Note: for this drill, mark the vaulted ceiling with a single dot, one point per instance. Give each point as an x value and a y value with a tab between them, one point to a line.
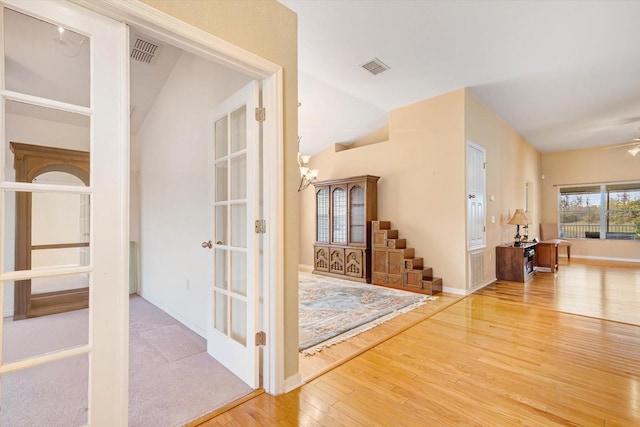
564	74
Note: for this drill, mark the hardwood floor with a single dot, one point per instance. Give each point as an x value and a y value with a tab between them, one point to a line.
560	350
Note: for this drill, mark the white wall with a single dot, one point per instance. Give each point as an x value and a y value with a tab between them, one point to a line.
36	131
174	185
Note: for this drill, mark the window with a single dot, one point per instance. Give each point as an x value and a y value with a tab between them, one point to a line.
607	211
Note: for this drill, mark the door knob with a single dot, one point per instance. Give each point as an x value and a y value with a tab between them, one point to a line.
207	244
472	196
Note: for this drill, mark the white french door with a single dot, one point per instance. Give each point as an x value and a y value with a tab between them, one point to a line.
476	209
232	326
64	86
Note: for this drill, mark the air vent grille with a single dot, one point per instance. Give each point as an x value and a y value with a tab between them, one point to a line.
144	51
375	66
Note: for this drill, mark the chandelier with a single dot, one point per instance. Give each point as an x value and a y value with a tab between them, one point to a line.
307	175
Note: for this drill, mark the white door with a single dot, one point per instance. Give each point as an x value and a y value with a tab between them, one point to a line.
67	85
234	320
476	173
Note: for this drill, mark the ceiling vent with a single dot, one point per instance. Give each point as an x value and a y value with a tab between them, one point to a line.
144	50
375	66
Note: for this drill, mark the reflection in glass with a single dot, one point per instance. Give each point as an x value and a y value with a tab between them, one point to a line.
35	396
57	59
239	321
239	129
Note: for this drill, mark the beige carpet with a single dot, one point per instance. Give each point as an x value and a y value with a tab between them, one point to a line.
172	380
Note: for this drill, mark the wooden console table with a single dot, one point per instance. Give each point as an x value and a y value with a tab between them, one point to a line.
515	263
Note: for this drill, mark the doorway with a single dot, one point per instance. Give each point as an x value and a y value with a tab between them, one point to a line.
272	84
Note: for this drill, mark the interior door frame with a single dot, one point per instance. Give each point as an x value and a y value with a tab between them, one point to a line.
183	35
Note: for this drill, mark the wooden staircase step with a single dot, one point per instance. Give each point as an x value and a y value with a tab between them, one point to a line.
380	225
396	243
380	237
414	278
413	263
432	286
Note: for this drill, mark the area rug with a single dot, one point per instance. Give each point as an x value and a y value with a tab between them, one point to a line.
333	310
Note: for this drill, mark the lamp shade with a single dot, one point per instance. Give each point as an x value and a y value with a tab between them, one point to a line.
519	218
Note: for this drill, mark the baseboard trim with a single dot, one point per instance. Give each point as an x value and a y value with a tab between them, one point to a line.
293	382
186	322
599	258
480	286
305	268
455	291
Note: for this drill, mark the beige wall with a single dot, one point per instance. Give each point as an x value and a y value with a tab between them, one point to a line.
593	165
421	186
422	189
268	29
511	163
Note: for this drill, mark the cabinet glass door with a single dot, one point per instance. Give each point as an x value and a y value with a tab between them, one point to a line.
357	218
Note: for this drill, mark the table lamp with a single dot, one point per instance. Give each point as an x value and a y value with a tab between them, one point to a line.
519	218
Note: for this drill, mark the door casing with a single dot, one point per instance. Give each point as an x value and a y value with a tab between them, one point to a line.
184	36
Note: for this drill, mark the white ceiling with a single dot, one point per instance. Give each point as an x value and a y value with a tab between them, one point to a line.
40	61
564	74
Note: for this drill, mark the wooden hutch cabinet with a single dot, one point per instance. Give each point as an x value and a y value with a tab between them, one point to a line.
344	211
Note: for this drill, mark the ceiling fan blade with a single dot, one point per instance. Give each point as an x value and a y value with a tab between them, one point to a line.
626	144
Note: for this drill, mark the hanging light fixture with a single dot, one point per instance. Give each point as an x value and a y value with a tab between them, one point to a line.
307	175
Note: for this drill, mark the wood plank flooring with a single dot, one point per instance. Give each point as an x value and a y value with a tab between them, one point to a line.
562	349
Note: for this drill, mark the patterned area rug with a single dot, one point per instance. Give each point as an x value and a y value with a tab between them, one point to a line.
333	310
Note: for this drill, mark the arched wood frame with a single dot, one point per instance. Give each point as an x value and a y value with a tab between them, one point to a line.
30	161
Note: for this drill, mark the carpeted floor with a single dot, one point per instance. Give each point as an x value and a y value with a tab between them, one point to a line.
172	379
332	310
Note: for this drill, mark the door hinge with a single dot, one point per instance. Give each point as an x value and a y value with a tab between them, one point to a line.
261	338
261	114
261	226
484	165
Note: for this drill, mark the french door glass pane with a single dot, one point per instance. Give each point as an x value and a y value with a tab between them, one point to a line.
37	336
239	272
221	224
221	138
221	181
53	394
53	233
238	129
221	268
239	225
220	322
56	64
239	177
46	133
239	321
